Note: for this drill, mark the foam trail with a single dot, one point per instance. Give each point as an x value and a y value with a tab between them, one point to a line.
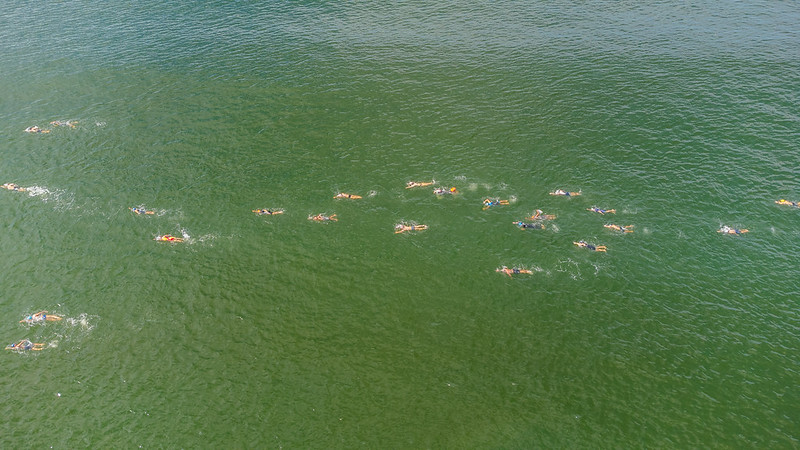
82	322
61	198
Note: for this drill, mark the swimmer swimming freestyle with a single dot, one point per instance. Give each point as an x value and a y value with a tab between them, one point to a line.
413	184
489	202
63	123
14	187
601	211
728	230
268	212
24	345
445	191
539	215
346	195
35	129
403	227
622	228
528	226
323	218
40	317
788	203
140	211
515	270
168	238
565	193
594	248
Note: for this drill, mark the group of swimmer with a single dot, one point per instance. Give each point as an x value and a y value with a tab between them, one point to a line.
55	123
724	229
41	316
535	222
33	319
538	216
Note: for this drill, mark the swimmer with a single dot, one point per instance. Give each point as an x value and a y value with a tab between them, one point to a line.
25	345
443	191
728	230
268	212
14	187
346	195
413	184
35	129
141	210
63	123
515	270
539	215
534	226
623	228
323	218
39	317
168	238
565	193
594	248
489	202
786	202
601	211
402	227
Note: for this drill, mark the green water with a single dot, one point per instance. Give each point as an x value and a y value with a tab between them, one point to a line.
275	331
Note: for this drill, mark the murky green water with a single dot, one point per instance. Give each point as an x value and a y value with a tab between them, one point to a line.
274	331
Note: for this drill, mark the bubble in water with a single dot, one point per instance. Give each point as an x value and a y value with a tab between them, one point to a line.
81	321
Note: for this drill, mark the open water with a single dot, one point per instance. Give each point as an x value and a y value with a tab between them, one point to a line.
278	332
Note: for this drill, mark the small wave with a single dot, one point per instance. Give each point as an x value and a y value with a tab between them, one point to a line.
461	178
569	267
512	199
472	187
372	193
